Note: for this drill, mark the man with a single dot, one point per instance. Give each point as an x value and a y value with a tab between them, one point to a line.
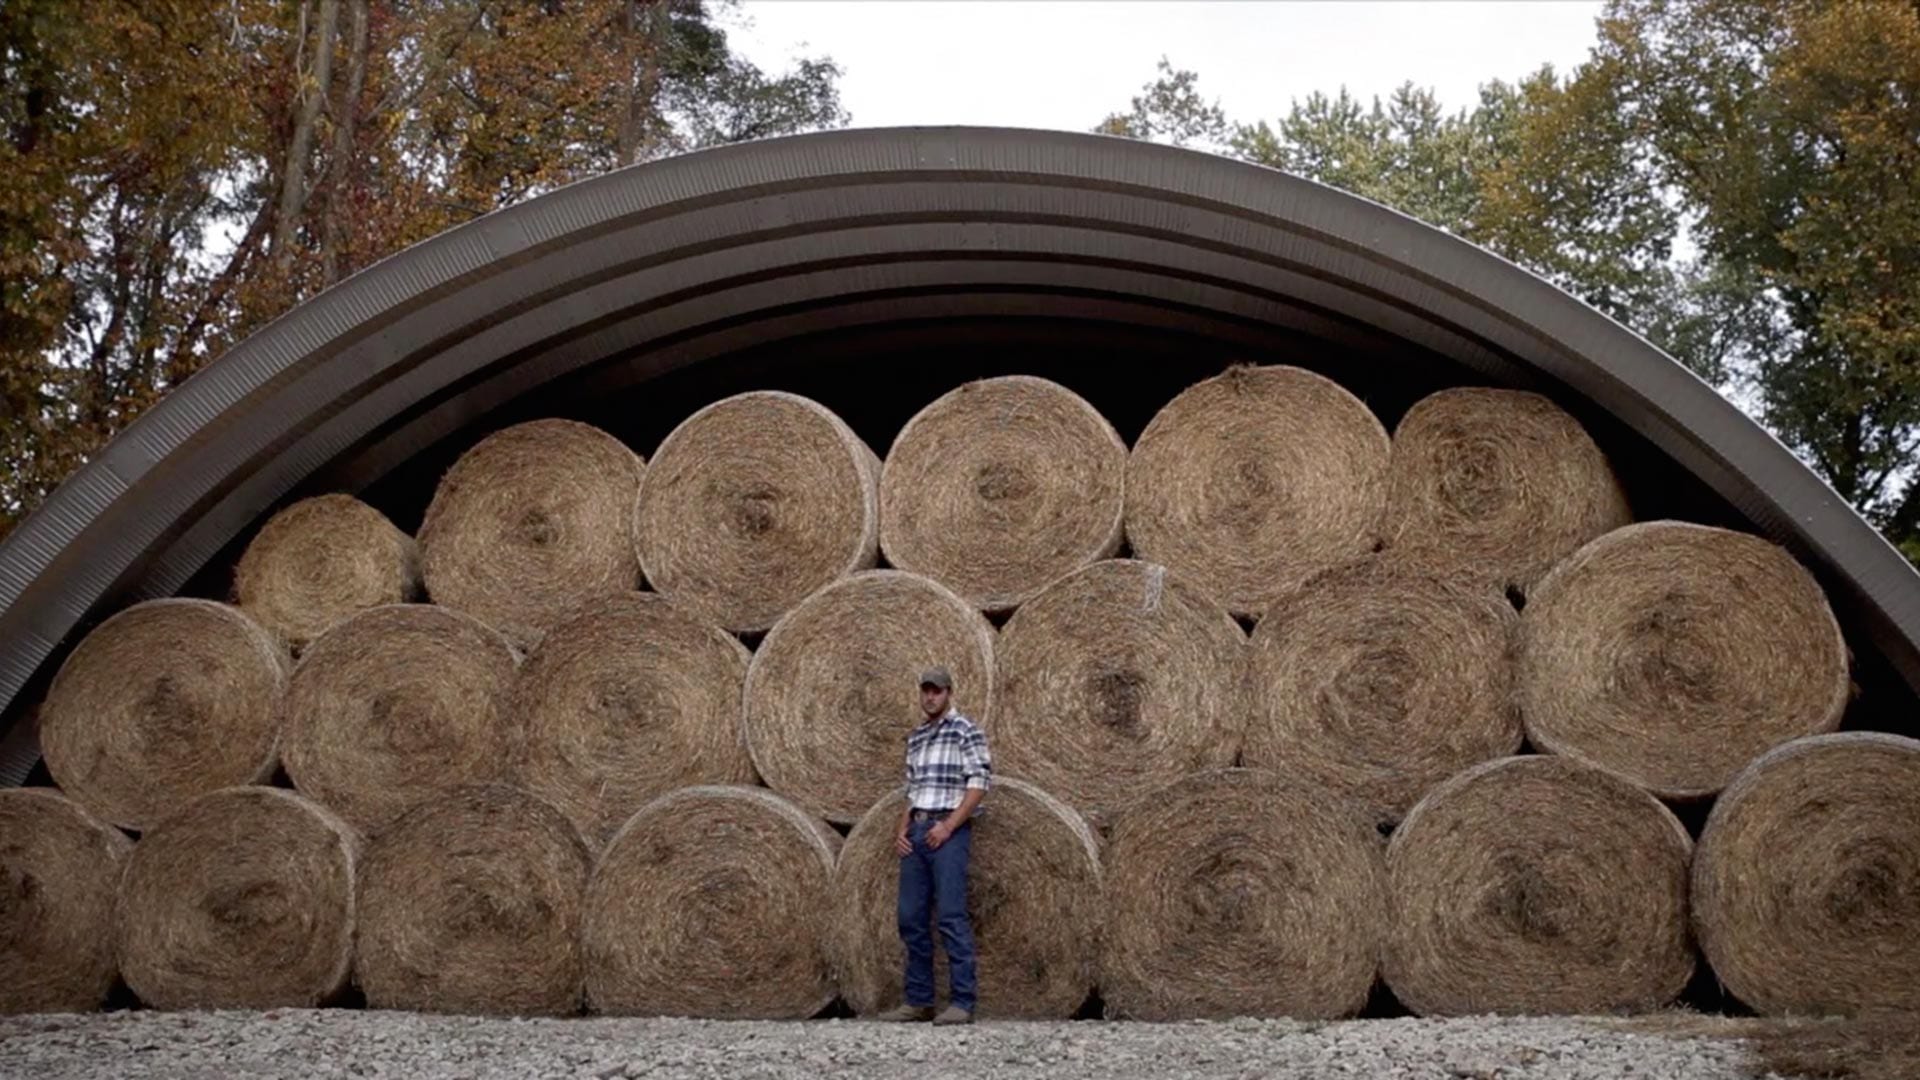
948	773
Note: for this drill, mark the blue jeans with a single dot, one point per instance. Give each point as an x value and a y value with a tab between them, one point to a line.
933	889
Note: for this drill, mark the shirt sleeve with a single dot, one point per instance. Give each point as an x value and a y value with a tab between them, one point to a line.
975	762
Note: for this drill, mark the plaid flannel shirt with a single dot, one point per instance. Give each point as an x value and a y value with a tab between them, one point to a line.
944	759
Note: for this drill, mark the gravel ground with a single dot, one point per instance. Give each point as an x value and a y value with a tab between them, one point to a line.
348	1043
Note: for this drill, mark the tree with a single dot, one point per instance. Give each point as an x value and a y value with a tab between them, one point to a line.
1170	108
174	174
1781	138
1792	130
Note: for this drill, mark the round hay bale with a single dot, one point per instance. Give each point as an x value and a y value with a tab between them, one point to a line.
626	701
712	902
322	560
1673	654
1002	486
1119	677
1380	682
532	521
1499	484
834	689
1241	892
1033	895
471	904
1254	480
753	503
241	900
59	866
396	704
164	702
1538	885
1806	886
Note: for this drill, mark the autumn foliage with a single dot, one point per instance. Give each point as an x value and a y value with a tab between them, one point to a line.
176	173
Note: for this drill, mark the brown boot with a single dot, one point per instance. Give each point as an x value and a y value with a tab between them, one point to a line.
951	1015
906	1014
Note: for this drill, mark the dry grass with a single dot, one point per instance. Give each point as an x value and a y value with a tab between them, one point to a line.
1001	486
1536	885
1254	480
1119	678
320	561
532	521
159	705
1673	654
1806	883
752	504
1496	484
833	691
1872	1046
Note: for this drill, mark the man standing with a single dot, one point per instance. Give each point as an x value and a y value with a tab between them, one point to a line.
948	773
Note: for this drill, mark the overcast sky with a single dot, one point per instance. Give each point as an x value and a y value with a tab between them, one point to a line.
1026	63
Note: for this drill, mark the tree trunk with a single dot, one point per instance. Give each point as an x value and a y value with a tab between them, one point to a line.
341	170
293	177
646	22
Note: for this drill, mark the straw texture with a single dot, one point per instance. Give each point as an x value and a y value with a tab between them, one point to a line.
1379	682
166	701
398	703
627	701
1119	677
1497	484
1033	898
1001	486
471	904
241	900
531	522
1252	481
59	866
714	902
320	561
1241	892
1673	654
834	689
1806	888
753	503
1538	885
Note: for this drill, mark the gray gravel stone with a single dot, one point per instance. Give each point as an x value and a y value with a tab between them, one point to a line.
371	1044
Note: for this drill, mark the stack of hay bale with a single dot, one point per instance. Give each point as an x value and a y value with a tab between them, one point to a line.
569	782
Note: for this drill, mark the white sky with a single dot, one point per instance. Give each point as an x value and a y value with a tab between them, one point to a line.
1027	63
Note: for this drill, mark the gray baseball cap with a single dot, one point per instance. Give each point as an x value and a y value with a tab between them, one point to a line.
937	676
